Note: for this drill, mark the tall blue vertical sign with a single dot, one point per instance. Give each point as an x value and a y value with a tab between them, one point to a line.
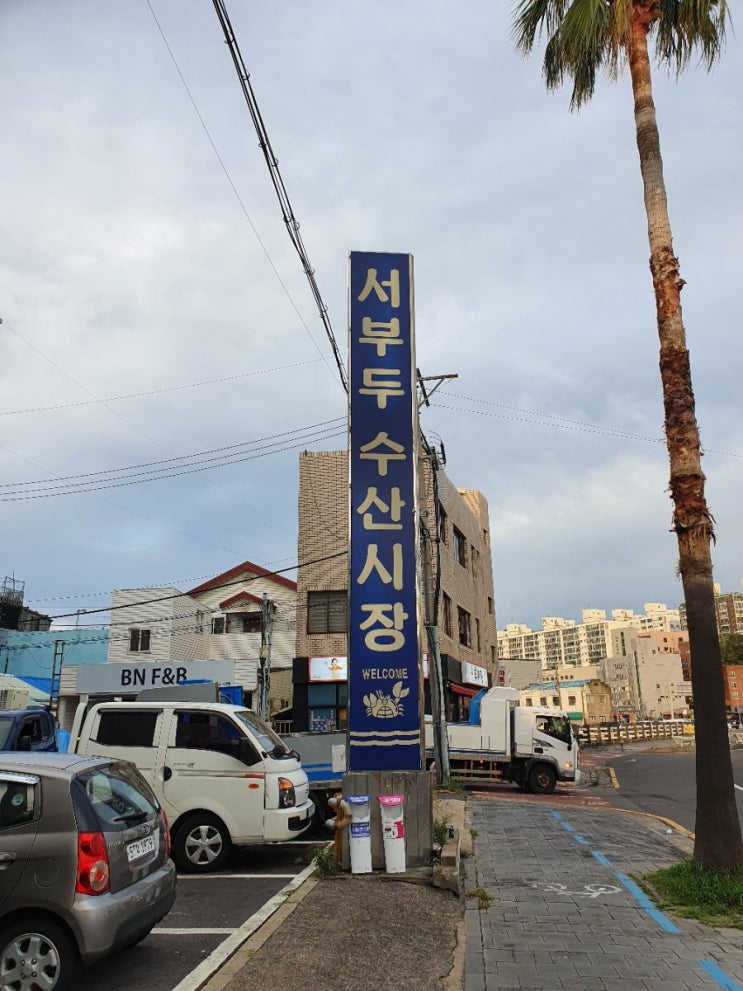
383	673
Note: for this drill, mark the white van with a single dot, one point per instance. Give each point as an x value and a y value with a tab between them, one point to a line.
222	775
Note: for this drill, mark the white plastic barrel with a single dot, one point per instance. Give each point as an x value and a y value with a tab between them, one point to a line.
359	834
393	833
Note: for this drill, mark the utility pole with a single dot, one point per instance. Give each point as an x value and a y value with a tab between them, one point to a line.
264	673
431	585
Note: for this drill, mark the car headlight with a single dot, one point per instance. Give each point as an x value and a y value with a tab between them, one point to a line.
287	795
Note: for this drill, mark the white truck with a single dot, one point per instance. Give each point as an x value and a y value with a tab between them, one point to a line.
222	775
532	746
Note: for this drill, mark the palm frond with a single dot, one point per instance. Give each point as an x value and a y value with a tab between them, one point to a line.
689	27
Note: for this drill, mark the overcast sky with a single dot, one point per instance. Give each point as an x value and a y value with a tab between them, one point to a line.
153	306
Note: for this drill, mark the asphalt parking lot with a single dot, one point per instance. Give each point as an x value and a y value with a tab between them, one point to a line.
212	915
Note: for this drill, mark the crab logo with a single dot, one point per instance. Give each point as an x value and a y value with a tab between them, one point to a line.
383	706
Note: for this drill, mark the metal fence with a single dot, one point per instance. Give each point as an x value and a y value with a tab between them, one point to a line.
605	733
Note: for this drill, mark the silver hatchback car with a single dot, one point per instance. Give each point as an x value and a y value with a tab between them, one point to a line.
84	865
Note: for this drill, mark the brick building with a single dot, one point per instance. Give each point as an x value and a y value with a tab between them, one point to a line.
466	610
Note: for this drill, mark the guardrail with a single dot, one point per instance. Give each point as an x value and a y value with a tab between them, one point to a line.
604	733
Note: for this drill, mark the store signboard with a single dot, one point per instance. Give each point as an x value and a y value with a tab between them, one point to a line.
472	674
328	669
127	679
384	675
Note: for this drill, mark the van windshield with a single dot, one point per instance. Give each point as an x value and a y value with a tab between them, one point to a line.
265	736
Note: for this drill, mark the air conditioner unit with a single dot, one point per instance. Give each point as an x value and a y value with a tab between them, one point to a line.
13	698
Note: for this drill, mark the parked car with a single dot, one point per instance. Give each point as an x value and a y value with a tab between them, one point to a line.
84	865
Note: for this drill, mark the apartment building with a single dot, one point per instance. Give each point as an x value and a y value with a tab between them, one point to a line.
563	642
729	610
458	528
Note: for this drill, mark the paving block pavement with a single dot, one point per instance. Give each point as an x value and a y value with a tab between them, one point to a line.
559	907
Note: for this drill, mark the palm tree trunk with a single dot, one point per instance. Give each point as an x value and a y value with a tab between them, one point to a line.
718	843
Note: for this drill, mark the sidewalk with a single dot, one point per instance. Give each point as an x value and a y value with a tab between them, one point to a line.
557	910
566	913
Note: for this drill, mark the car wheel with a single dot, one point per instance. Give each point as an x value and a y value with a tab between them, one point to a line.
201	844
35	954
542	779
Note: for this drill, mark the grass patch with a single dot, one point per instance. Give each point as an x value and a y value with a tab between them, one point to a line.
455	787
694	892
484	898
440	830
325	862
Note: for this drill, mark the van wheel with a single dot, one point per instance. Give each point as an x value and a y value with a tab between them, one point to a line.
542	779
38	953
201	844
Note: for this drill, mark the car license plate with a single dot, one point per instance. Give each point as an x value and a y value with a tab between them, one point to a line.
140	848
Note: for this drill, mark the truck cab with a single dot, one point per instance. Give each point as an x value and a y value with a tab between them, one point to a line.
27	730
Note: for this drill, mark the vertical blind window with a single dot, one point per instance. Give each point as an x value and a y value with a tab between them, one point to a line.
327	612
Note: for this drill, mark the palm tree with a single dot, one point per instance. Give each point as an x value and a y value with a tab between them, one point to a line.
583	37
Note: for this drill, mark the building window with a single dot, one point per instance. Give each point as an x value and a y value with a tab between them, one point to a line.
447	615
218	624
327	612
460	547
477	634
139	641
464	622
244	622
555	700
490	605
486	538
199	621
543	700
571	700
475	559
443	525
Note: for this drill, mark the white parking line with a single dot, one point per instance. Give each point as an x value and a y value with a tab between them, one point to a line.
227	947
207	877
193	932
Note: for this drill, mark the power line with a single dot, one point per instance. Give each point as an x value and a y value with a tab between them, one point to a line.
167	598
232	185
292	224
159	392
172	468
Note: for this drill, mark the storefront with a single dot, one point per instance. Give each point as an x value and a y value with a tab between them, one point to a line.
320	702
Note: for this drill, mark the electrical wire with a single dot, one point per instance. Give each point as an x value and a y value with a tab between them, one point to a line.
158	392
232	185
167	598
291	222
118	478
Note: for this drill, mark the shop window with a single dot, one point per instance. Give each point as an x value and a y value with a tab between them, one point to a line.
139	641
447	615
464	624
327	612
460	547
